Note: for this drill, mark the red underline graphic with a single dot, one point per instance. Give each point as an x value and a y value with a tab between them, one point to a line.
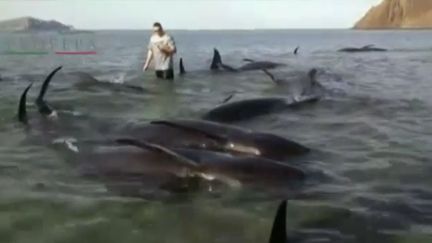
75	52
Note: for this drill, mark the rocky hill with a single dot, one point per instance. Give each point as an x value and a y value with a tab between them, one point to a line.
33	24
392	14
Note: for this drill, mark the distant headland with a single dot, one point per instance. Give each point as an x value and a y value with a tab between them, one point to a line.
398	14
30	24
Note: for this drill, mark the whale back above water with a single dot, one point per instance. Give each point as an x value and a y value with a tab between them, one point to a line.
238	140
217	64
247	170
244	109
367	48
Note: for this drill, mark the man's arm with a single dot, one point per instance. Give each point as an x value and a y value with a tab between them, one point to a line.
148	59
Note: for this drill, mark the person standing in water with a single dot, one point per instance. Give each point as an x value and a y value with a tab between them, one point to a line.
161	50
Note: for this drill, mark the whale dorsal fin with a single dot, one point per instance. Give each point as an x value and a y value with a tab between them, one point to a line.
181	67
278	233
43	107
22	109
296	50
217	138
159	149
228	98
217	60
270	75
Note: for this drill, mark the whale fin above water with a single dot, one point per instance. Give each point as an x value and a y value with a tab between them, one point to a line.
159	149
181	67
228	98
22	110
296	50
278	233
217	62
43	107
272	77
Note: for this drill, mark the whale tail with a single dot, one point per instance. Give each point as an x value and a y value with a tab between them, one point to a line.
181	67
22	109
217	60
43	107
278	233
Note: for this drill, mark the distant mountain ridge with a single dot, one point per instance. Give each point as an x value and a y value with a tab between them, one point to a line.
392	14
33	24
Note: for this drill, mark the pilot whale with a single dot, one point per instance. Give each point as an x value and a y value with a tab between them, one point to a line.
251	171
302	87
237	111
309	92
217	64
156	167
87	81
368	48
200	134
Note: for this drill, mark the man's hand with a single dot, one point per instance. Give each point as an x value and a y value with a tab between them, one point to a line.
147	61
166	49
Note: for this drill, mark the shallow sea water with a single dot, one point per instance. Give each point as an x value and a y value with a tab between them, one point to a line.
368	175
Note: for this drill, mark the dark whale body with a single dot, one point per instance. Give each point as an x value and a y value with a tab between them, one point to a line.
247	170
368	48
199	134
251	108
155	167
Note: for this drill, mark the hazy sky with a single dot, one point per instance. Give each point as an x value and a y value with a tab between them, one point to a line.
192	14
